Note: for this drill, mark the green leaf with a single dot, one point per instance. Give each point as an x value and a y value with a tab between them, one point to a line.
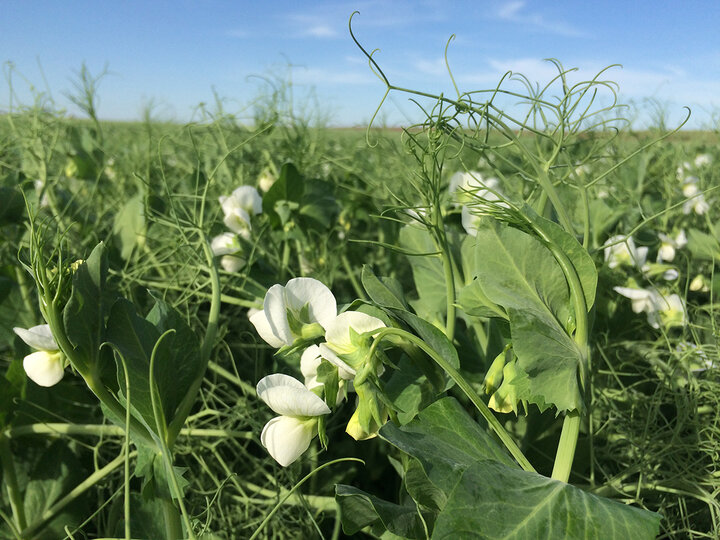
12	205
360	509
519	273
445	440
289	187
12	387
703	245
134	338
152	469
177	357
427	270
319	207
494	501
177	360
129	225
568	244
55	473
384	291
436	340
84	314
478	491
409	389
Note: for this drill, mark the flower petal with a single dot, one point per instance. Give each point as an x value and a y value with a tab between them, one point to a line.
248	198
286	438
469	221
38	337
44	368
287	396
322	305
276	312
309	363
232	264
337	333
225	244
345	372
238	221
263	328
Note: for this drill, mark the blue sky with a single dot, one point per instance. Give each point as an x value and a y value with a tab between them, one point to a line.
173	54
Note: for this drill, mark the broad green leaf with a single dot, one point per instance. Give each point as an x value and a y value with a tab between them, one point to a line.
289	187
177	360
409	390
519	273
445	440
319	206
84	314
384	291
479	491
427	271
12	206
146	518
703	245
12	387
129	226
134	339
55	473
494	501
579	257
360	510
474	302
436	340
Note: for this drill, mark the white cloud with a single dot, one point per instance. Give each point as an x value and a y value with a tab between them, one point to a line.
515	12
320	31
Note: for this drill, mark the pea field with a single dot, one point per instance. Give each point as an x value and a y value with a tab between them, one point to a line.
498	322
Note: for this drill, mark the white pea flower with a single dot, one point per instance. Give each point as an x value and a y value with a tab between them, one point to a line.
689	187
469	186
696	202
265	181
668	310
701	160
227	246
310	361
668	245
345	346
46	367
682	169
642	299
672	310
300	309
699	284
624	252
244	202
469	221
287	436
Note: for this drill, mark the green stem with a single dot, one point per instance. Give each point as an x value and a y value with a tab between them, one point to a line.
465	386
8	467
566	447
171	517
449	291
351	276
100	430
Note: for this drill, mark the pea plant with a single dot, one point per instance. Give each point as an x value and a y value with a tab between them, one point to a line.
266	340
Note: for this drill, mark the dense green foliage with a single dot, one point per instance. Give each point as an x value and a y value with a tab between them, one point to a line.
107	236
